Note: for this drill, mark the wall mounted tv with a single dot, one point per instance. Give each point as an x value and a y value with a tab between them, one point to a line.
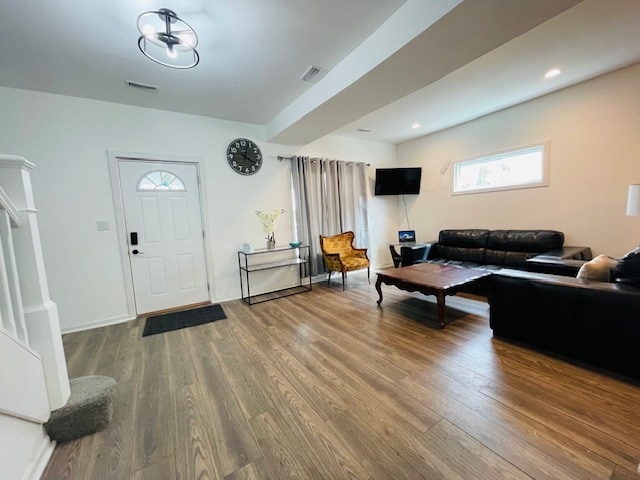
398	181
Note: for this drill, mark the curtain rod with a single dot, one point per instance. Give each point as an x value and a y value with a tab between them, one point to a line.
280	157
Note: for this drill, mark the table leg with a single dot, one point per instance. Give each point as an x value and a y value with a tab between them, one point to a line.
379	289
440	297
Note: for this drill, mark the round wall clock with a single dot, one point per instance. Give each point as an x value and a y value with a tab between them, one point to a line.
244	156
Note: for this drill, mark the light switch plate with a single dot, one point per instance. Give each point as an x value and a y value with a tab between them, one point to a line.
102	225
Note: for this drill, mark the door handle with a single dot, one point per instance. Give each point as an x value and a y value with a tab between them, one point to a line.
135	251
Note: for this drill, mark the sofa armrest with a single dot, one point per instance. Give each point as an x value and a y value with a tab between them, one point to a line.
360	253
561	261
567	267
569	252
562	280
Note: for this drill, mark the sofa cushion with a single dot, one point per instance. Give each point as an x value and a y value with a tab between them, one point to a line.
507	258
467	238
597	269
531	241
461	254
628	268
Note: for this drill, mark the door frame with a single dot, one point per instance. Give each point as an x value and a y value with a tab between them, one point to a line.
118	203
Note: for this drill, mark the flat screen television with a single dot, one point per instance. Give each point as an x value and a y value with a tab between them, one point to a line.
398	181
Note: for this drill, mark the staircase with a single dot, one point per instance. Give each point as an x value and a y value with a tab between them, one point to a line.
33	376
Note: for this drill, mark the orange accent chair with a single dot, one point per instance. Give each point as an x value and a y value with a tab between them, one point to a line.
340	255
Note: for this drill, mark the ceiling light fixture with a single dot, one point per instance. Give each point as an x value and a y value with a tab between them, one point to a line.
415	125
554	72
167	40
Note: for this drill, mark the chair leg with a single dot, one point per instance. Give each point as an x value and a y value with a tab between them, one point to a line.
329	279
368	276
344	274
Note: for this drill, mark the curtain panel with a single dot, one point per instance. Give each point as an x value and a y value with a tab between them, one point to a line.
329	197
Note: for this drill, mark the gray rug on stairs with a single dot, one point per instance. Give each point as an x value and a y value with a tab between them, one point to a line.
88	410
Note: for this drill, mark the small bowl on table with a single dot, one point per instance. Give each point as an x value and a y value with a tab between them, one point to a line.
295	244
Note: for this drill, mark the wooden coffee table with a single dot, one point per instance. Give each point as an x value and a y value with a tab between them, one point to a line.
430	279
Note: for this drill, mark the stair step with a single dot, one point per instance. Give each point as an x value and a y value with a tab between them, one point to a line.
88	410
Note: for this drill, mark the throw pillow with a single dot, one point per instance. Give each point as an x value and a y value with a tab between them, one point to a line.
628	268
597	269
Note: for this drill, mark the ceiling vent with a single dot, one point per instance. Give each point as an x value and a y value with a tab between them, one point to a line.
141	86
313	73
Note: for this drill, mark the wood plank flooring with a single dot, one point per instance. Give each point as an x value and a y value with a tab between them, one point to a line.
327	385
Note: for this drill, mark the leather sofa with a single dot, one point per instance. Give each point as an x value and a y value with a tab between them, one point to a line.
594	322
495	249
532	250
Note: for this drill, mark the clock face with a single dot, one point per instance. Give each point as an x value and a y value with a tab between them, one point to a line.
244	156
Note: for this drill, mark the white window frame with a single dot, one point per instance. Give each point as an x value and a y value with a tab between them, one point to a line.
541	181
176	184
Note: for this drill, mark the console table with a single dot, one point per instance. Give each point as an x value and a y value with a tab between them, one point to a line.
277	258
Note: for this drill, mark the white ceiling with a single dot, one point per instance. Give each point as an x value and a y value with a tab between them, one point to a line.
391	63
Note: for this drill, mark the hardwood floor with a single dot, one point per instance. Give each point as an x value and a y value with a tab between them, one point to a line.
327	385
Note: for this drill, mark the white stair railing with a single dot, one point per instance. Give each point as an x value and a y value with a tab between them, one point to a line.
12	320
27	314
33	373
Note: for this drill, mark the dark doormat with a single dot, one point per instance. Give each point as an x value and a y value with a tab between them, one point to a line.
187	318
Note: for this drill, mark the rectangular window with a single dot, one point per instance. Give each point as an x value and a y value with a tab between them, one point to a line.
524	167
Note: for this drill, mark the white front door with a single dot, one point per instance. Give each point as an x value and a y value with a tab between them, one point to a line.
163	221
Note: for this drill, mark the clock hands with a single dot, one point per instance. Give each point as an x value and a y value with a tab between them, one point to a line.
247	157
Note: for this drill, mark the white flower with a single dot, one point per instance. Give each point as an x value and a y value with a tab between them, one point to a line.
269	220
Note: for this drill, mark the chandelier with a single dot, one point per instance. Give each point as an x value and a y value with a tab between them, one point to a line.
167	40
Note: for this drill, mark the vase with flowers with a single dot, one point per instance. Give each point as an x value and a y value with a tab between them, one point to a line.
269	225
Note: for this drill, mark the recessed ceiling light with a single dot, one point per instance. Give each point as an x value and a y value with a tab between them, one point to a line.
415	125
554	72
364	130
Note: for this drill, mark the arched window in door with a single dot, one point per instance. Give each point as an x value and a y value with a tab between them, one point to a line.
161	180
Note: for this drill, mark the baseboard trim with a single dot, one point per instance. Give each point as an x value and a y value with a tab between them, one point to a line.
42	459
104	322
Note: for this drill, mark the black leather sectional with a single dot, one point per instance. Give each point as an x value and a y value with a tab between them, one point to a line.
536	300
590	321
495	249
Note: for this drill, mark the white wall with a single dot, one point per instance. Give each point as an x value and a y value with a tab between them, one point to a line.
594	129
595	151
68	139
25	448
